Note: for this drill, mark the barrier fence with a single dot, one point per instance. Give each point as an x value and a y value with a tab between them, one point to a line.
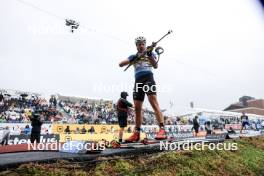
56	132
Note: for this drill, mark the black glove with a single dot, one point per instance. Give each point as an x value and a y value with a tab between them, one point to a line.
149	51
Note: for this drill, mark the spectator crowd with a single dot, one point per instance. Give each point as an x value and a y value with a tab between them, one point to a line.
17	109
20	107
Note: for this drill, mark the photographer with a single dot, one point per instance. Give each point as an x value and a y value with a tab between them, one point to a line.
36	127
196	125
122	113
4	137
208	128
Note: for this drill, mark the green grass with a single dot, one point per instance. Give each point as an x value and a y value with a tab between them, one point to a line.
247	160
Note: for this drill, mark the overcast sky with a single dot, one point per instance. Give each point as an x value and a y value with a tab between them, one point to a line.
214	56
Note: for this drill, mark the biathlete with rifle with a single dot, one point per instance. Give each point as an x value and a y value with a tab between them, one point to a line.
143	61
